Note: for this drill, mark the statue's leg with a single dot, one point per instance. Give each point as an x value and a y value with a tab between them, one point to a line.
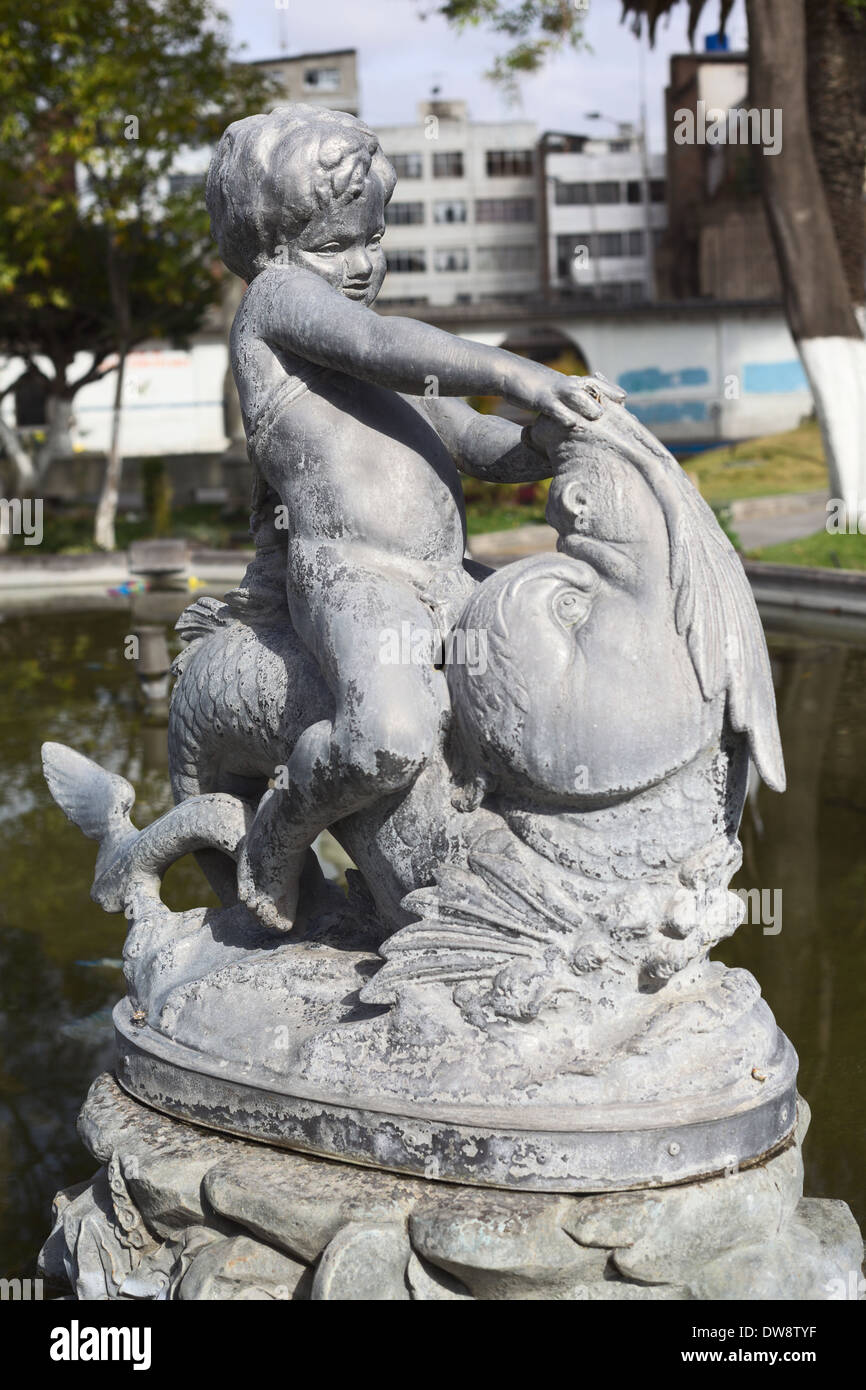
377	644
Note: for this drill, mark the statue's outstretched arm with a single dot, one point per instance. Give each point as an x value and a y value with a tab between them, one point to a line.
297	311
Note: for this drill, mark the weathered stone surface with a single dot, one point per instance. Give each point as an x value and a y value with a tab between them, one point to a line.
163	1163
538	771
300	1205
432	1285
364	1263
276	1225
240	1268
501	1246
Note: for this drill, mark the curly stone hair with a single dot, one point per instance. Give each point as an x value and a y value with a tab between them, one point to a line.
270	174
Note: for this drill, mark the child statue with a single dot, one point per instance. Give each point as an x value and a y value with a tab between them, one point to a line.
353	421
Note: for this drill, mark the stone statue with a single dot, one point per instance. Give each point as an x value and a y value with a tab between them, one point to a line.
538	772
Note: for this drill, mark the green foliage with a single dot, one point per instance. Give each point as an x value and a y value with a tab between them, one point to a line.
97	97
537	29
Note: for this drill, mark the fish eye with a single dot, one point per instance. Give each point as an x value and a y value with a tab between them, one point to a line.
570	607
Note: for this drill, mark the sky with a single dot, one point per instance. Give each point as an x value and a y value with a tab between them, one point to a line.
401	57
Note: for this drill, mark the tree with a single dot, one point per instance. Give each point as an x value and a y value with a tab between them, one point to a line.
98	97
812	190
537	28
813	197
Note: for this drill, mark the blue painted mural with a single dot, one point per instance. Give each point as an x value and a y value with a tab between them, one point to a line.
653	379
765	377
669	412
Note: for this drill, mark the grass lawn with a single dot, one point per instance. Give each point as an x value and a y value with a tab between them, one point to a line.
496	517
845	552
789	462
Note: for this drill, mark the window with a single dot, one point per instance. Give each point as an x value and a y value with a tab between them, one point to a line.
451	258
609	244
182	183
590	246
509	163
406	262
592	193
571	193
322	80
407	300
505	258
449	210
448	165
408	166
634	192
505	210
635	243
404	214
619	146
502	297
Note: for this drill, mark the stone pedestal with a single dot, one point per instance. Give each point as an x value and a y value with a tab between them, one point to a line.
177	1212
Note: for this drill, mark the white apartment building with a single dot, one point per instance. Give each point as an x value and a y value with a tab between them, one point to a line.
601	233
462	226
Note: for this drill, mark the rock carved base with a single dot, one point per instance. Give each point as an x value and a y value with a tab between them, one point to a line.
177	1212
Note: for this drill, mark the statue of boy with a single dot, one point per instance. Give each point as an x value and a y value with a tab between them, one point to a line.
352	420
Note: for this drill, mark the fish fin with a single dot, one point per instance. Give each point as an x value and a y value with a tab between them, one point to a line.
93	799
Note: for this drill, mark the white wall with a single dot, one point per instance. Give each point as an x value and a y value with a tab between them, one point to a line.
726	374
172	401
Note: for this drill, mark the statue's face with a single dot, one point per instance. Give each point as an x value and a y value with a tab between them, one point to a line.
609	700
343	244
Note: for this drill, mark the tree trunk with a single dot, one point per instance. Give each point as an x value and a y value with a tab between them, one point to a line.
106	511
818	302
836	83
58	437
25	476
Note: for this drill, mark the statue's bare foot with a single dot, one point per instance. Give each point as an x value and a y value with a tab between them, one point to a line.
269	870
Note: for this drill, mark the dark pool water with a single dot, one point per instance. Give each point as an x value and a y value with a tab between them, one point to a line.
63	676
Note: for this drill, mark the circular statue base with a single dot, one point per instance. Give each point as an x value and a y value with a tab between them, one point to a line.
178	1212
531	1148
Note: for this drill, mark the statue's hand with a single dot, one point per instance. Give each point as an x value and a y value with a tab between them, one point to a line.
571	397
580	398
